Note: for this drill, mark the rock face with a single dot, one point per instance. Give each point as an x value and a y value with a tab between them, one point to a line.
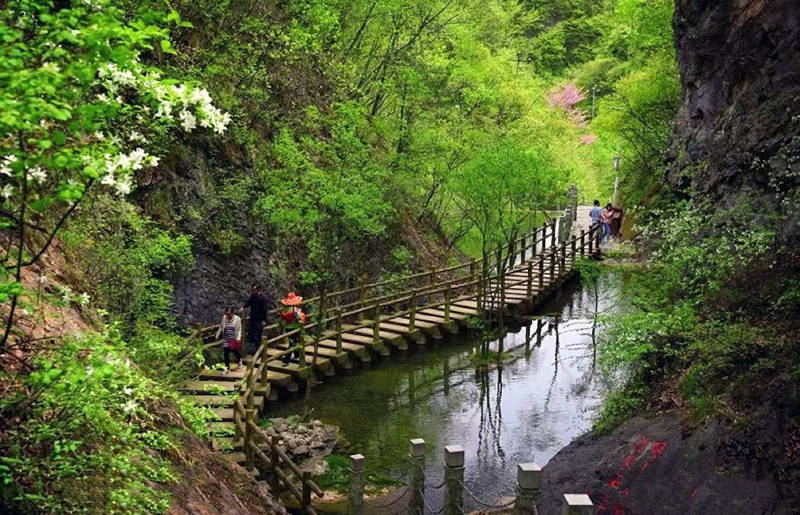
652	465
735	137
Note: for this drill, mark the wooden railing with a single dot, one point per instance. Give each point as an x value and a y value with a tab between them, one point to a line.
367	294
262	448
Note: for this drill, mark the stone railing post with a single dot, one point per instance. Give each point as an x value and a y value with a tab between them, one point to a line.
416	476
577	504
529	488
355	489
453	480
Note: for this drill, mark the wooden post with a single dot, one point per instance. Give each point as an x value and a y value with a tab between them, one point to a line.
591	240
529	487
412	313
416	476
376	324
473	271
573	245
339	331
448	293
535	243
539	325
527	340
583	242
250	416
500	276
432	277
250	381
274	460
577	504
563	257
530	280
553	265
355	490
553	234
305	502
237	416
453	480
541	274
524	249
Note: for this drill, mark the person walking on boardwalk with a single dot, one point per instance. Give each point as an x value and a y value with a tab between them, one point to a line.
605	219
231	331
259	307
293	319
596	213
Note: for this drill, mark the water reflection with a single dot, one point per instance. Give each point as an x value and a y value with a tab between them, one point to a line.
545	395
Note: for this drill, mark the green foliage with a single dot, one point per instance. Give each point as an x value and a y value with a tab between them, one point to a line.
673	332
78	109
128	261
91	441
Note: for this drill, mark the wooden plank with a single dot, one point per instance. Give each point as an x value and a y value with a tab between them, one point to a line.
292	369
391	337
430	328
359	351
322	363
439	314
221	428
225	414
208	387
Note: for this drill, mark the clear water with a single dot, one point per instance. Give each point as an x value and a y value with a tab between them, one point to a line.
524	411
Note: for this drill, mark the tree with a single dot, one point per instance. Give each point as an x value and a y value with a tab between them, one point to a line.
78	109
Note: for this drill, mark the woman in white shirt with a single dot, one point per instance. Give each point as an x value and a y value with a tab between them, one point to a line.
230	329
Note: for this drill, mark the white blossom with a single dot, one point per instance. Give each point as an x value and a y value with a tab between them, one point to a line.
38	175
7	191
130	406
123	186
152	161
188	121
128	390
99	135
83	298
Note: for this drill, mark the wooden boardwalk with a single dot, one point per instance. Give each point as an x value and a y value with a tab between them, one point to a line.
360	324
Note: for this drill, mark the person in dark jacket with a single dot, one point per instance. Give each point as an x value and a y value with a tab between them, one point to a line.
259	306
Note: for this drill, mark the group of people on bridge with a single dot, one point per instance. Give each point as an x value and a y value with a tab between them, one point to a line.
230	328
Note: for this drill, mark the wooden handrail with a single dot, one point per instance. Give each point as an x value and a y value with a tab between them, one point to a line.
533	244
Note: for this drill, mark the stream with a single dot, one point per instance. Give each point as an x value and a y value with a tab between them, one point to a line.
525	411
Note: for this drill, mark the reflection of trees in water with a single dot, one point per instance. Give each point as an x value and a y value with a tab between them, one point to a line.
491	416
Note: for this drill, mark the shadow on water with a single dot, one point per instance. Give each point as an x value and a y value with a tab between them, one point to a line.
540	399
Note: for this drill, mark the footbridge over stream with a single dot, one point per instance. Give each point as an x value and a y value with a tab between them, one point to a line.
360	324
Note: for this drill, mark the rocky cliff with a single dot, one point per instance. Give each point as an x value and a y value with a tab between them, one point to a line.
735	139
